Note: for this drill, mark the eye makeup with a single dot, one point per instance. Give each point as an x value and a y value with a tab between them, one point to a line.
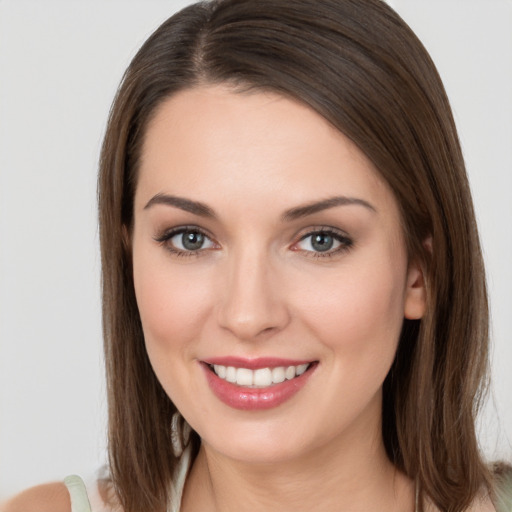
323	242
186	241
315	242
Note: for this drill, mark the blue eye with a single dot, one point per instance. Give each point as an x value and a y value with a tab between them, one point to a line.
185	241
191	241
324	241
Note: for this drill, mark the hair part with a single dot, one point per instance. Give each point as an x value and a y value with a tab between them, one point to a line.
358	65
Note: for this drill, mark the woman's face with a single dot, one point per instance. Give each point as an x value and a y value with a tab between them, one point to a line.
270	272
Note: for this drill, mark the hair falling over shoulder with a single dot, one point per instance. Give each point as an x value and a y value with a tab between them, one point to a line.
357	64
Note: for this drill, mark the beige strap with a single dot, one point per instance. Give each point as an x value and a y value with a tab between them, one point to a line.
78	494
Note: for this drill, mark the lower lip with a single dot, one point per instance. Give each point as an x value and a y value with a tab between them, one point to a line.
255	399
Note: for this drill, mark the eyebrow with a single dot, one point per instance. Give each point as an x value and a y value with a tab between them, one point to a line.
202	210
195	207
318	206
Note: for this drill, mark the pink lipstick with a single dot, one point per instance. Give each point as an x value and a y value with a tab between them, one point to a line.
256	384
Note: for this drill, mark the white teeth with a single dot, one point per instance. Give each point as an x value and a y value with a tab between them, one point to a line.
301	369
244	377
261	378
290	372
220	370
230	374
278	375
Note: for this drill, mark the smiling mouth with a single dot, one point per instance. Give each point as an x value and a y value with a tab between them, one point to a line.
260	378
256	384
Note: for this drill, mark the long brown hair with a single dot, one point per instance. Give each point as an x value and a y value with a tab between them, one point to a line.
360	67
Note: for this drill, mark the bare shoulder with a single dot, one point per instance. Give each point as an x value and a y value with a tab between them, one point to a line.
482	503
53	497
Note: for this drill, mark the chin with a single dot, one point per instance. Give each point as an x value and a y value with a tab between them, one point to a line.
256	445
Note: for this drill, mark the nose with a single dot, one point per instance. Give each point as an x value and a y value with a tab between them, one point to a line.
252	304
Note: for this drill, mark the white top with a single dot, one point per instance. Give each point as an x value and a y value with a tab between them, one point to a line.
86	497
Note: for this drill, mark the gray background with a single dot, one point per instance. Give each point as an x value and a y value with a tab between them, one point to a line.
60	63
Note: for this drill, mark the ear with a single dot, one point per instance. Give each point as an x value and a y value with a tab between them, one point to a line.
415	303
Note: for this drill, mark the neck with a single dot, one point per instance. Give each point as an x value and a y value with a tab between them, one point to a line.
341	476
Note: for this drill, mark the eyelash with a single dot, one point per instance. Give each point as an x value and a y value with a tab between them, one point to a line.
345	243
165	240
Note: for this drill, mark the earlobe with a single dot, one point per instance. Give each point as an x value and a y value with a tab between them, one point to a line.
416	295
415	304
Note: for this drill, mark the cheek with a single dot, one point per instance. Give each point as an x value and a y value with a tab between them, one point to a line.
358	312
171	302
172	306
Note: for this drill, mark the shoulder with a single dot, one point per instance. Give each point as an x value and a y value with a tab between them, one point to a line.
482	503
53	497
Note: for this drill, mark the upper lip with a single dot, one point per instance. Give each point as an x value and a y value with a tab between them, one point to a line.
255	363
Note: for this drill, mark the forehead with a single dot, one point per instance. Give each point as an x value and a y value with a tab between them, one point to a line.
214	143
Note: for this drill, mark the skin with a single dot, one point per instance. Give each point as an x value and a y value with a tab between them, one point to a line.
51	497
258	288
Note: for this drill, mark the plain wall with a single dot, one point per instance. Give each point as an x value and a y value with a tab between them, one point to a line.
60	63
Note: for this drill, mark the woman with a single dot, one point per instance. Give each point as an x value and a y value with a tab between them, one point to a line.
290	260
